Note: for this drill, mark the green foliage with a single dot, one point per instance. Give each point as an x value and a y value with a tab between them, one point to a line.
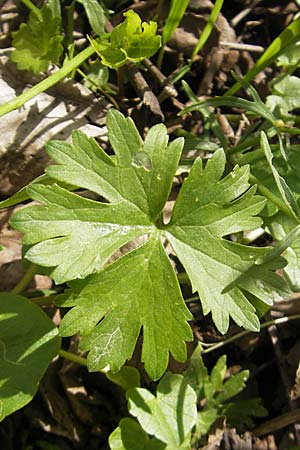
132	40
177	10
281	176
95	14
130	436
140	290
278	47
217	394
38	42
283	98
28	342
171	416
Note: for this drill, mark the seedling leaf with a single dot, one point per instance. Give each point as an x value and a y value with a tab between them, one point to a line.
131	40
130	436
171	414
38	43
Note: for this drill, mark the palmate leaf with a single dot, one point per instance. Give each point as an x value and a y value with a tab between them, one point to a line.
77	236
140	289
38	42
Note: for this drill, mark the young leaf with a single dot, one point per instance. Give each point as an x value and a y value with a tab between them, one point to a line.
170	415
130	436
38	43
28	342
283	96
128	377
131	40
131	293
217	393
285	192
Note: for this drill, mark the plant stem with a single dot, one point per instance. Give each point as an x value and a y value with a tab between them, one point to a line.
77	359
72	357
28	275
244	333
32	8
48	82
270	196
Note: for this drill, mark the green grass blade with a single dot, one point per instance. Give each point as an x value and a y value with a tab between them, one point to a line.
177	10
45	84
208	27
289	35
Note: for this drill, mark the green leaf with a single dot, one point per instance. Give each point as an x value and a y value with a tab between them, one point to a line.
140	290
171	414
285	192
131	40
38	43
206	209
288	37
127	377
131	293
280	226
28	342
95	14
240	413
283	95
233	386
130	436
89	231
216	394
291	56
22	195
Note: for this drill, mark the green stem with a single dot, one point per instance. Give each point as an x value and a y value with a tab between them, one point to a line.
72	357
77	359
48	82
244	333
32	8
20	287
270	196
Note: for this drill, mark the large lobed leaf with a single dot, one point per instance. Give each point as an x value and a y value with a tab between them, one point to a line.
77	236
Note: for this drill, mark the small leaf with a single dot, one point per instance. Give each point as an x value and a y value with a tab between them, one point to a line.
131	40
171	414
28	342
285	192
38	43
127	377
130	436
